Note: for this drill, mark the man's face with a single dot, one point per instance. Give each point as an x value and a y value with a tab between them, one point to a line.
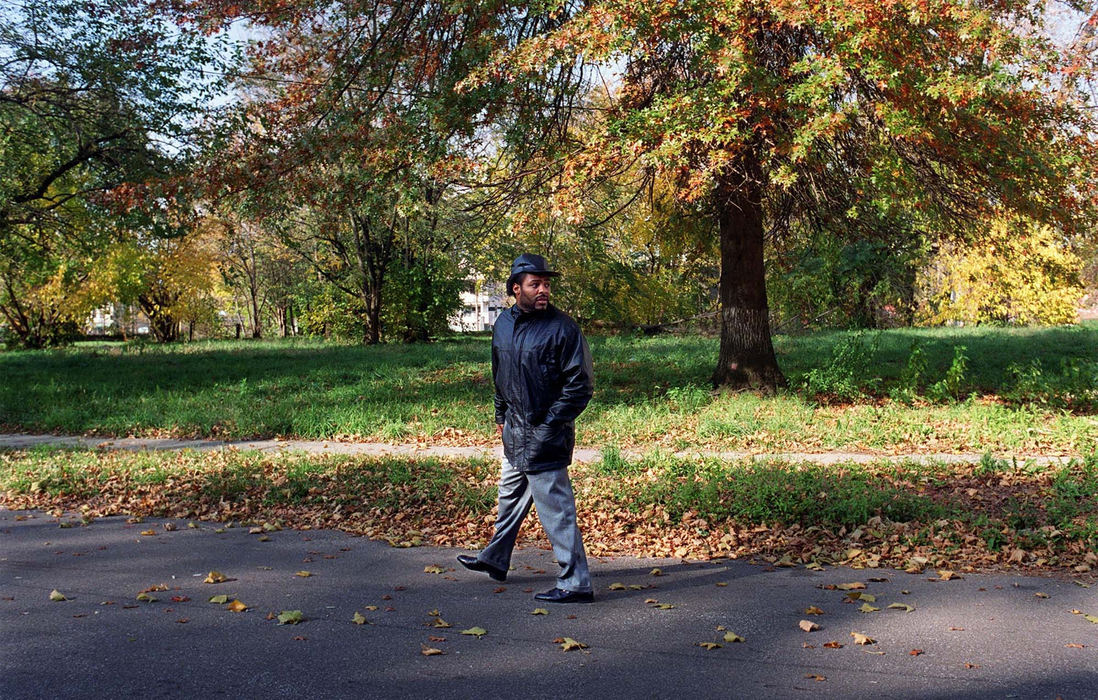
532	294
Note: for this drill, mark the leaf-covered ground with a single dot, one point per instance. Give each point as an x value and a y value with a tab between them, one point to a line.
994	515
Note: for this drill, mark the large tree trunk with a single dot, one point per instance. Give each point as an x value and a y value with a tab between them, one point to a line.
746	359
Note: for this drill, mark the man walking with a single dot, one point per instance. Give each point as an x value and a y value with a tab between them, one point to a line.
541	367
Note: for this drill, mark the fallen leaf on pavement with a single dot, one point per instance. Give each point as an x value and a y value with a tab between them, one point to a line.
434	570
833	645
862	639
215	577
968	665
901	606
1040	595
815	677
655	572
733	638
569	644
1091	618
708	645
303	574
540	611
808	625
915	652
867	608
477	632
56	596
290	617
148	533
947	575
1076	646
358	618
813	610
430	651
855	586
440	623
236	606
219	599
617	586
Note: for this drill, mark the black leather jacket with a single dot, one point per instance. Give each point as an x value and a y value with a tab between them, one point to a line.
541	367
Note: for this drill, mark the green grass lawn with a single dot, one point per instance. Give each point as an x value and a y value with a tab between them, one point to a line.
1011	390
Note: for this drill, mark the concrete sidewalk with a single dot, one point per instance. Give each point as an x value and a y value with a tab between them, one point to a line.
582	455
979	637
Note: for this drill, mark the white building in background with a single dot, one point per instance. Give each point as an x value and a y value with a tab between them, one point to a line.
481	303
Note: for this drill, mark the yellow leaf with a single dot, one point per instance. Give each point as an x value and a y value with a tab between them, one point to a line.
813	610
655	572
901	606
371	608
146	598
709	645
867	608
540	611
215	577
359	618
1041	595
947	575
56	596
808	625
814	566
434	570
236	606
569	644
663	606
721	584
263	538
732	638
219	599
475	632
617	586
303	574
430	651
636	587
855	586
148	533
1091	618
437	622
867	597
862	639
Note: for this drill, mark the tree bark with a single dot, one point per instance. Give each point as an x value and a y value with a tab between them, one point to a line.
746	359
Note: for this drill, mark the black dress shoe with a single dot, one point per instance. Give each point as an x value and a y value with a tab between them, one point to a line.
560	595
474	564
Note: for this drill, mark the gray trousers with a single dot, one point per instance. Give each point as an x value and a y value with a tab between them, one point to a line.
551	491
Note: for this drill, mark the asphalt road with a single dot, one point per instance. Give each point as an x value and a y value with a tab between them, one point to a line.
977	637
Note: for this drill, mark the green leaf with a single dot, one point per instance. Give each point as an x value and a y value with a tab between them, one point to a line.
901	606
56	596
867	608
733	638
540	611
219	599
290	617
475	632
359	618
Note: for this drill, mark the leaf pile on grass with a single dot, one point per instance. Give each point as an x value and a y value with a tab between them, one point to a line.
908	516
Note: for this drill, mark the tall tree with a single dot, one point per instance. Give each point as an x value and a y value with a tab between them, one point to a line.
97	98
770	113
353	123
